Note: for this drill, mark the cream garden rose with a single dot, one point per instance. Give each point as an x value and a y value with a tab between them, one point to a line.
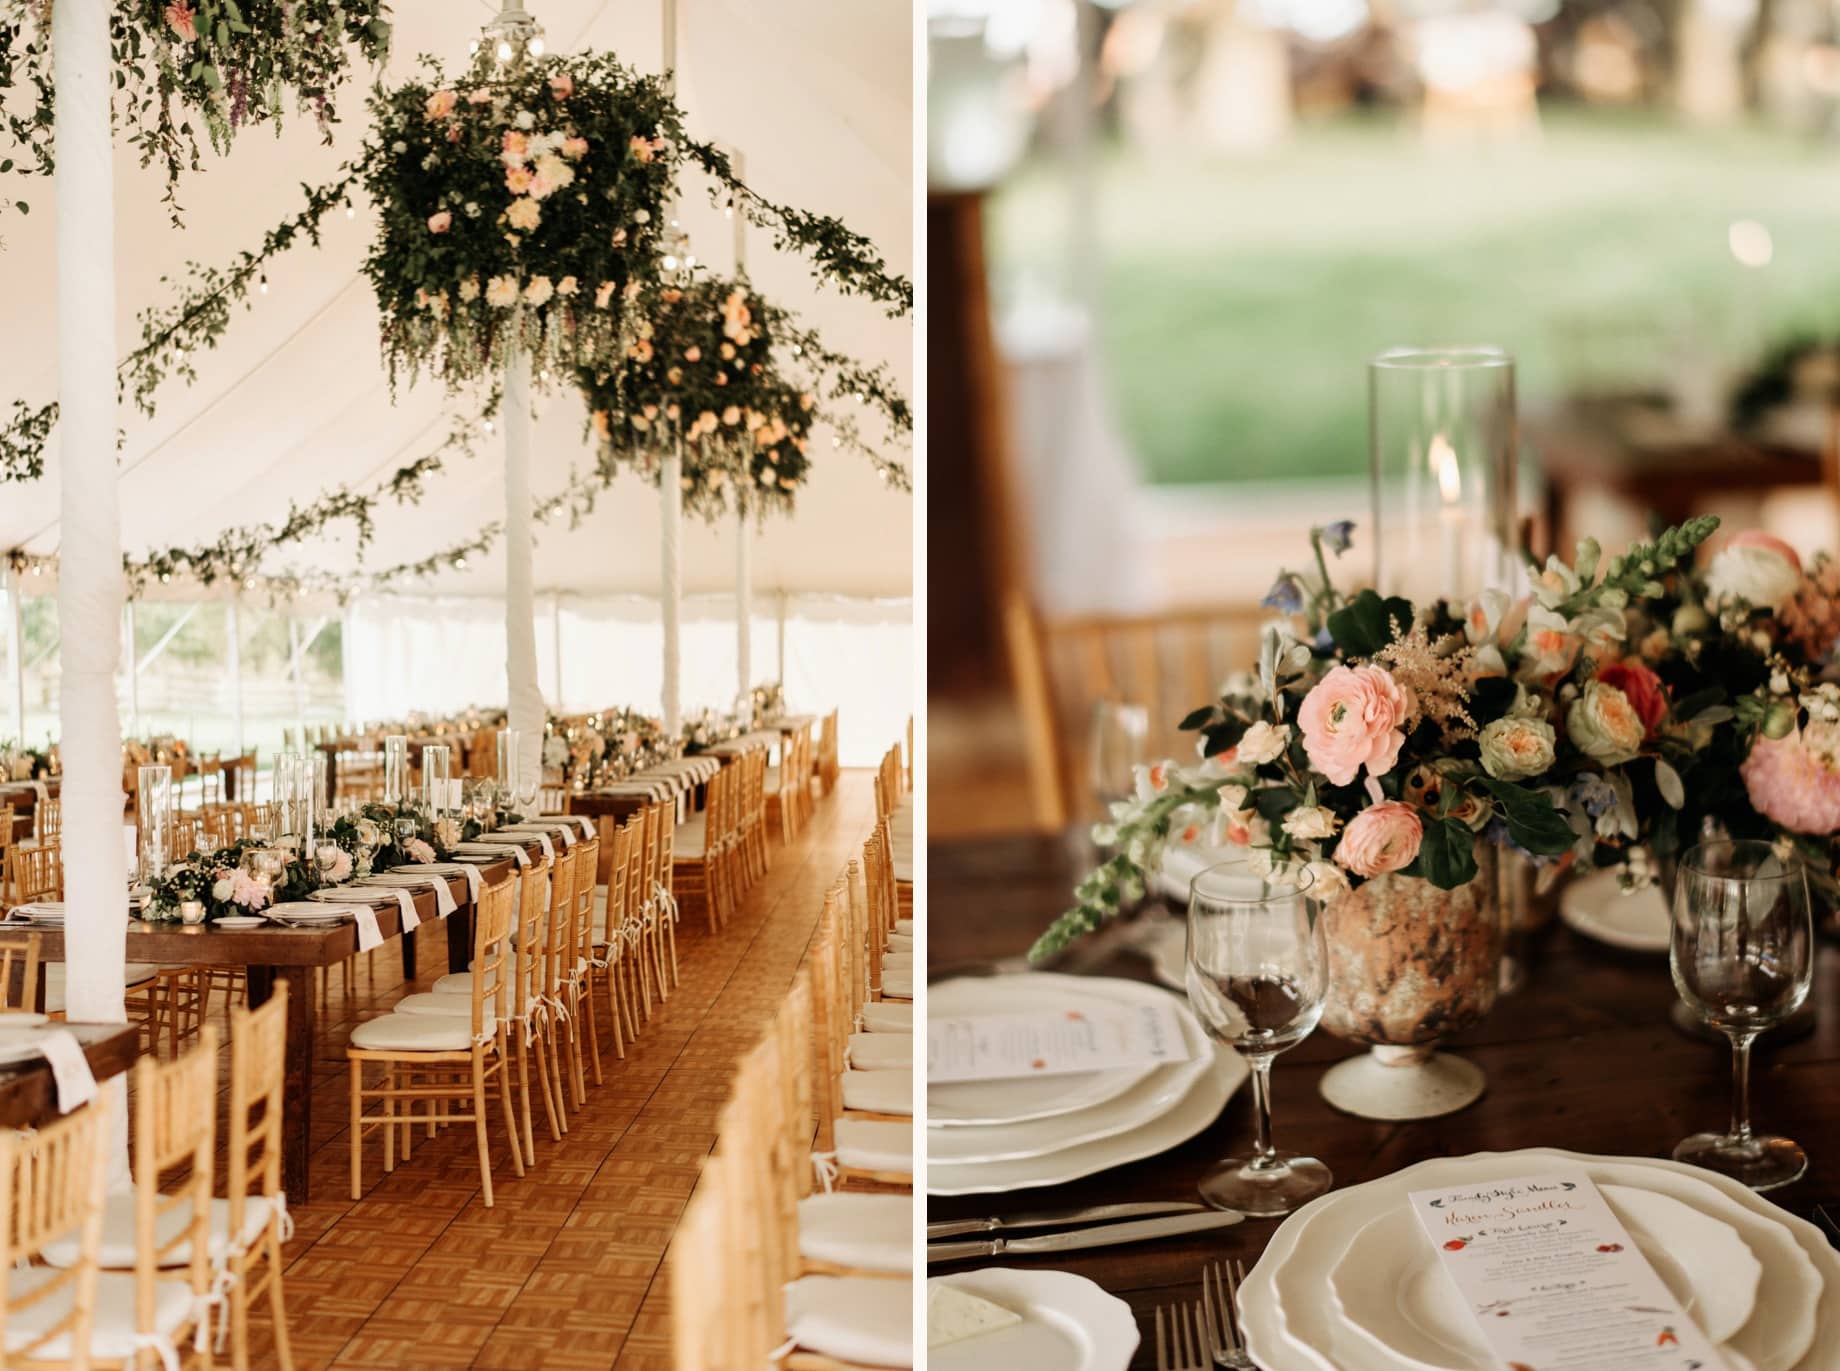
1263	742
1754	567
1516	749
1311	823
1604	725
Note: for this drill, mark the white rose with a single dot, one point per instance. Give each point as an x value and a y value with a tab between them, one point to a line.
222	889
525	120
1311	823
1759	575
1327	880
1263	743
1232	798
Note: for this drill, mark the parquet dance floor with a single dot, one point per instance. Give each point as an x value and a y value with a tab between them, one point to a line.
566	1271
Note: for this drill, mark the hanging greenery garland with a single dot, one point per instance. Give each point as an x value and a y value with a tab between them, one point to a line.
226	65
713	363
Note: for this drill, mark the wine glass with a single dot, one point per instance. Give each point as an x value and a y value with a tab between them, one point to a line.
1742	958
1257	975
1120	744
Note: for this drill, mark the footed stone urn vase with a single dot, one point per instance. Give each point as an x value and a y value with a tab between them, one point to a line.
1410	964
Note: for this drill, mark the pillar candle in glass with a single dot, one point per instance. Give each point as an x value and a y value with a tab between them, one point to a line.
507	763
1441	440
436	765
286	795
308	777
153	816
395	769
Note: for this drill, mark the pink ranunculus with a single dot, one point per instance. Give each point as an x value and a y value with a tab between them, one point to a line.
440	223
1793	781
440	104
1642	688
180	19
1354	717
1381	838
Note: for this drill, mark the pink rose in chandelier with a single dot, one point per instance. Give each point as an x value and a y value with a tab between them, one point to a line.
515	148
1795	780
518	179
1354	717
440	223
574	148
440	104
642	148
562	85
180	19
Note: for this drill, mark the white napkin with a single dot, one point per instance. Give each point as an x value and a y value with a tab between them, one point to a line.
444	902
43	791
539	831
369	935
521	857
76	1083
359	898
473	879
587	824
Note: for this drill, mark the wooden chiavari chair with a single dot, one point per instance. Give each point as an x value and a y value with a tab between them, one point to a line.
145	1313
48	821
19	973
606	961
256	1222
696	866
581	964
52	1182
34	873
663	862
874	1014
754	815
890	982
561	951
210	779
450	1055
530	1009
244	769
865	1118
781	808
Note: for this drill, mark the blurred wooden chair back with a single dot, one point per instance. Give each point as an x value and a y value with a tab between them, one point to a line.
1168	664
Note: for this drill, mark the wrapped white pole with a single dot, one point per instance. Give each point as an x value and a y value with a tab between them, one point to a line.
523	696
129	646
89	510
671	517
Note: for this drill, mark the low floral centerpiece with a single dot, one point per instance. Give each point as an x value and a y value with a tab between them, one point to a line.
220	880
604	747
1391	752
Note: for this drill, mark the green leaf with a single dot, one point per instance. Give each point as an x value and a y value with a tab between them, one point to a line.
1367	623
24	208
1195	718
1667	781
1532	820
1691	706
1447	856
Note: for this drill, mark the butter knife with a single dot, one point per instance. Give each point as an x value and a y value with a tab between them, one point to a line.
1104	1235
1059	1218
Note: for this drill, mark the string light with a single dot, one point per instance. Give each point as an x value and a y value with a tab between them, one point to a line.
263	285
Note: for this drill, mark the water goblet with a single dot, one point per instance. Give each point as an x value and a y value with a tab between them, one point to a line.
1120	744
1742	956
1257	976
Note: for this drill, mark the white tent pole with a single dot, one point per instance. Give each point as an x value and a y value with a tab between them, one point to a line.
233	638
90	582
16	652
671	503
744	598
158	649
134	668
524	697
347	678
300	683
555	642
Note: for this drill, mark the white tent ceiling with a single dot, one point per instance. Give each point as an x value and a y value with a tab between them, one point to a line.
815	94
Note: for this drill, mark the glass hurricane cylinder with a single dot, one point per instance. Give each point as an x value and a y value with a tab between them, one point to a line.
395	769
507	762
1441	444
437	764
287	795
153	819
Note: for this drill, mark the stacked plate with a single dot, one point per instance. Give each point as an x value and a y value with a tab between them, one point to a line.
46	913
1350	1282
1065	1321
1597	906
306	912
990	1136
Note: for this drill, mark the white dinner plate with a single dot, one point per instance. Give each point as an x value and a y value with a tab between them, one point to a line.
1288	1322
1158	1092
344	894
972	1103
1068	1323
306	912
16	1020
1406	1315
1199	1108
20	1047
1596	906
239	921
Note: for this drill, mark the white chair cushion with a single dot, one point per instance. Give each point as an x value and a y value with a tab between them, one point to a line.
900	942
417	1033
898	984
112	1336
904	869
687	843
898	961
866	1232
879	1016
441	1002
859	1319
875	1145
881	1051
118	1245
905	926
879	1092
138	974
455	983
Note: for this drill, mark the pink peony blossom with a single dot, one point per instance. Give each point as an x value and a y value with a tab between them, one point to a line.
418	850
340	870
1794	781
247	891
179	18
440	223
1381	838
1354	716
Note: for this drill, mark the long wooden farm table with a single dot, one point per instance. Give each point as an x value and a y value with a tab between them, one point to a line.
273	954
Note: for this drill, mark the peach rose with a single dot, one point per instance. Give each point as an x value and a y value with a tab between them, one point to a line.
1793	780
1605	725
441	104
1642	688
1381	838
1354	717
440	223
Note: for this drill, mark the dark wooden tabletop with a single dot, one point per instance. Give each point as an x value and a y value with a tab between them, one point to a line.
28	1096
1581	1057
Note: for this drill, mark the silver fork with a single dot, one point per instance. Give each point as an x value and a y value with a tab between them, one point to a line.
1220	1284
1186	1349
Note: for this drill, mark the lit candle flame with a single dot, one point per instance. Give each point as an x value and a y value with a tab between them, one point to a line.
1442	459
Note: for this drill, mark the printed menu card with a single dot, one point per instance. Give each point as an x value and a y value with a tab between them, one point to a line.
1555	1282
1057	1043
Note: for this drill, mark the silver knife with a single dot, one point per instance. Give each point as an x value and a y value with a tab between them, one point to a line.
1104	1235
1059	1218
